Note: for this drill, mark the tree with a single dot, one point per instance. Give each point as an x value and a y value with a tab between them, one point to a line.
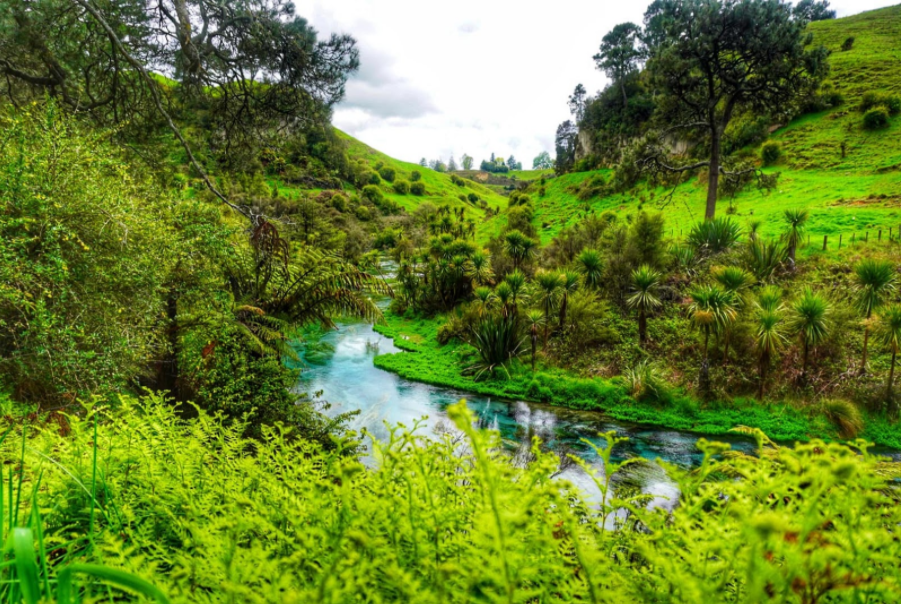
768	335
542	161
889	330
620	54
451	164
565	145
534	321
874	281
736	280
518	247
548	287
810	322
591	265
244	64
712	59
645	281
711	309
424	163
797	222
577	103
511	163
812	10
569	284
466	161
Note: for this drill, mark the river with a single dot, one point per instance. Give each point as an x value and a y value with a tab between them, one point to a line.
342	370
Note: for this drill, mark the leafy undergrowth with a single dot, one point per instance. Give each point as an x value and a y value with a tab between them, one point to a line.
208	516
439	365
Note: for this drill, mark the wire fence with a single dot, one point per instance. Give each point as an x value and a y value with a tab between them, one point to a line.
863	236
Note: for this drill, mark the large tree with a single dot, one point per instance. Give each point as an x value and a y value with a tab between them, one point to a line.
712	59
577	102
542	161
244	70
620	54
565	144
466	161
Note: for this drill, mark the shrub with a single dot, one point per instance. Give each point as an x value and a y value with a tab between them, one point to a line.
401	186
417	188
363	213
457	180
770	153
848	44
415	176
871	100
339	202
387	174
845	415
472	197
373	194
714	236
876	118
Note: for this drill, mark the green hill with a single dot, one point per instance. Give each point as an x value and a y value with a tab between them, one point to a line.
846	195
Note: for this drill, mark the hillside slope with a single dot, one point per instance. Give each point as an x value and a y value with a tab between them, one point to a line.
846	195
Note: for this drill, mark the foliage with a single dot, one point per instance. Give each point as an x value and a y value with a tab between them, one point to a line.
770	153
387	174
876	118
507	532
714	236
845	415
417	188
498	341
401	186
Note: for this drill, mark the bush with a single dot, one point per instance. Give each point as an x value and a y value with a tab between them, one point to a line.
457	180
848	44
339	202
373	194
846	417
714	236
417	188
401	187
871	100
387	174
415	176
876	118
363	213
472	197
770	153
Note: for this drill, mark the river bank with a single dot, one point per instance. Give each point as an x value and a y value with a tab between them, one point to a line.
439	365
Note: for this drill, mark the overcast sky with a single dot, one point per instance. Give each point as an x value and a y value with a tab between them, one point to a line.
473	76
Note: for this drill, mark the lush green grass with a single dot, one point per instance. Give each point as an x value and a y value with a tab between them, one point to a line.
845	196
427	361
439	188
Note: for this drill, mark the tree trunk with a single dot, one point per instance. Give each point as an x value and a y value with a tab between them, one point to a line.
713	179
763	365
642	327
563	312
726	348
622	87
891	378
866	339
169	371
804	363
534	347
704	379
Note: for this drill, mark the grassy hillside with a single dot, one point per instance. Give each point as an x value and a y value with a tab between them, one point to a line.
859	192
440	189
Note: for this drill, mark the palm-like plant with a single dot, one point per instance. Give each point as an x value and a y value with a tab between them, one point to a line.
769	336
645	281
797	223
685	258
714	236
517	283
485	300
762	258
591	265
479	269
810	322
738	281
534	322
874	280
569	283
548	293
711	309
505	299
519	247
889	330
498	341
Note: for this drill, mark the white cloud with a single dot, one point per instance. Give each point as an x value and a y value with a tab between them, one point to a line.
472	76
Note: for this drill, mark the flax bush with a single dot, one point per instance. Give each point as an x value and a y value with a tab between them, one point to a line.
208	516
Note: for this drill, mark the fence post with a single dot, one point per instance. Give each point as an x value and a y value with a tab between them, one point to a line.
839	241
825	240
